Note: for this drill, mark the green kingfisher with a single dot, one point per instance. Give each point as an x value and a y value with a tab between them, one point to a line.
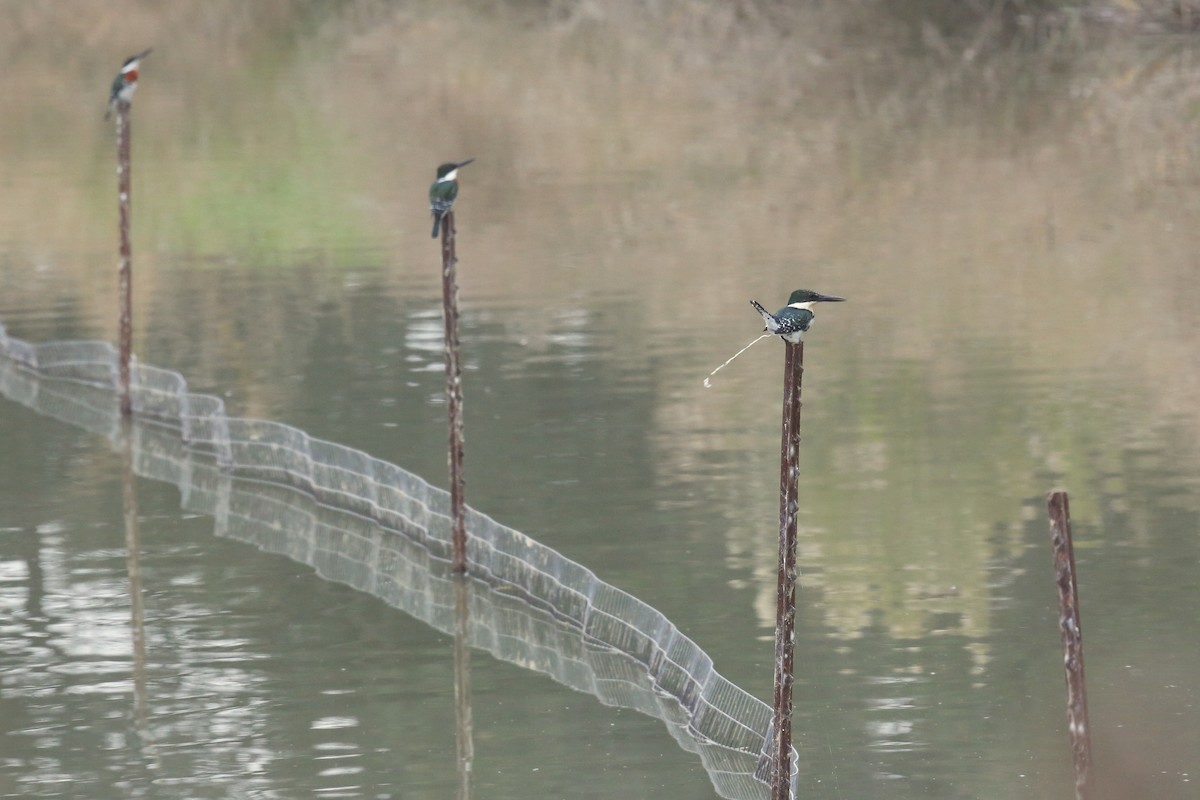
443	191
794	319
126	81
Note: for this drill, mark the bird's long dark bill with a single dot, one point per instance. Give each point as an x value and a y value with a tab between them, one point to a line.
143	54
463	163
829	298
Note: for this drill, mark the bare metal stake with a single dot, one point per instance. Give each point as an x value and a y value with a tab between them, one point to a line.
458	538
785	610
125	266
1072	641
123	87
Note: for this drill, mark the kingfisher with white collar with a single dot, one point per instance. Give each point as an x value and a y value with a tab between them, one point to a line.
443	191
793	320
788	323
125	84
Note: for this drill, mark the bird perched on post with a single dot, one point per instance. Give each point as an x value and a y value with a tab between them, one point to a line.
125	83
443	191
794	319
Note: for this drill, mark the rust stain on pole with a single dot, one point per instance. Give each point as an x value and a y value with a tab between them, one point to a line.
125	265
785	611
454	396
1072	640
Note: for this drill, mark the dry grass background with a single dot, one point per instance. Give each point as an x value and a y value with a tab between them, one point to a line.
942	156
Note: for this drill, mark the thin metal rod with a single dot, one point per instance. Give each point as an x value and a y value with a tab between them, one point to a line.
458	558
1071	630
785	612
125	266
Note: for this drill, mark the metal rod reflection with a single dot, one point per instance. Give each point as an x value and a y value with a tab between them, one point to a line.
462	687
133	567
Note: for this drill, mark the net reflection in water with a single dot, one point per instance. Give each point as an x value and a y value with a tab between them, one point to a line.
385	531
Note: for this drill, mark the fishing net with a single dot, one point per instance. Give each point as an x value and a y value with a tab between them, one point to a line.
385	531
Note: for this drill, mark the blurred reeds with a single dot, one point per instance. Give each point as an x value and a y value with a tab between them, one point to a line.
934	154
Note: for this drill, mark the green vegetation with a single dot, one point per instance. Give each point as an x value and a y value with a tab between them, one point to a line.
283	197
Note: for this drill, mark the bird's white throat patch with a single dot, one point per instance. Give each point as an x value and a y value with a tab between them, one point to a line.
449	176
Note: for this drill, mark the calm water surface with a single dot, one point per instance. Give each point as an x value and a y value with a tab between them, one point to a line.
1018	246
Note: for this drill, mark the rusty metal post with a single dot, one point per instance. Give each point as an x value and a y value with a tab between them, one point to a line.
454	397
125	264
785	612
1072	641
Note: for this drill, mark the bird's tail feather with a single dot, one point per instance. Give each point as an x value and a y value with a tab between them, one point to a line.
768	318
437	223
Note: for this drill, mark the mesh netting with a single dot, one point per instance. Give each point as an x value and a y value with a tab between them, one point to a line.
385	531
